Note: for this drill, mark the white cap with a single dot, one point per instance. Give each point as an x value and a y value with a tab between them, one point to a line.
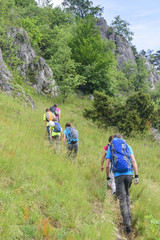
51	124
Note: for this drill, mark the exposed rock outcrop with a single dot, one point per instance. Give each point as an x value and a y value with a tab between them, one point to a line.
6	82
5	76
33	69
124	50
154	77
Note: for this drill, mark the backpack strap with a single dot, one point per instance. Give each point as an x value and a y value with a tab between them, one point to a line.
114	157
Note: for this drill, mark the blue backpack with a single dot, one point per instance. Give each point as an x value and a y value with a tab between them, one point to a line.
121	160
57	127
72	135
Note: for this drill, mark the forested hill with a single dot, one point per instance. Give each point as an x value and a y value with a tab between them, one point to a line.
45	47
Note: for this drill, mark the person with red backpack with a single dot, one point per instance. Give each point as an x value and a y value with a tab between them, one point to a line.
113	187
71	136
123	164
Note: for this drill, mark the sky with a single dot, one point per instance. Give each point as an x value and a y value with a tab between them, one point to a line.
142	15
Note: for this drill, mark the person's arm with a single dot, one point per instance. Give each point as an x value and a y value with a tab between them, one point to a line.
102	159
134	164
107	167
59	113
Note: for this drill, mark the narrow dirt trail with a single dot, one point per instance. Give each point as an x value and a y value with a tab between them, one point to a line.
121	234
98	208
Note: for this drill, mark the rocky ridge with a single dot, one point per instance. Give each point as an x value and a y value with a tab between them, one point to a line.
33	69
124	51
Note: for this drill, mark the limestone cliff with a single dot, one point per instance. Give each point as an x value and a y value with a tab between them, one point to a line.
124	51
33	69
7	85
5	76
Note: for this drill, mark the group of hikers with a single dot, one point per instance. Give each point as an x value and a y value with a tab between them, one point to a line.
120	161
54	130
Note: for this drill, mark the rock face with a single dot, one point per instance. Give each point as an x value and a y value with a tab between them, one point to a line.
5	85
5	76
124	50
154	77
33	69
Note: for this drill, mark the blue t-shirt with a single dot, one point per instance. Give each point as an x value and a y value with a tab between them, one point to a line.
66	132
116	174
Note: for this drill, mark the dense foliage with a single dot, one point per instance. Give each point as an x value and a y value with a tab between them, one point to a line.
153	57
122	28
133	77
82	8
70	42
129	117
94	55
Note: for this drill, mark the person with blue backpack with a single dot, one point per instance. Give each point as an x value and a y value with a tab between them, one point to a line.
55	133
123	164
71	136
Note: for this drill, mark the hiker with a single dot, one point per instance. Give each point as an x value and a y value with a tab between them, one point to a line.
123	164
55	134
71	136
113	186
56	111
48	116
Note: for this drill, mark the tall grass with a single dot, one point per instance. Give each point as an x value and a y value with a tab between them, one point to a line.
44	195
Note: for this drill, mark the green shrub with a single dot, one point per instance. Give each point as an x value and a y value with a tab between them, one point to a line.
131	116
101	110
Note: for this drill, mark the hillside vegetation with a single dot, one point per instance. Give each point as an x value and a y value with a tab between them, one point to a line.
47	196
44	195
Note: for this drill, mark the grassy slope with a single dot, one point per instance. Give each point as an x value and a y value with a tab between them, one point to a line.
46	196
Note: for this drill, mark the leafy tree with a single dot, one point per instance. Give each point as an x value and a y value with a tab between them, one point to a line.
25	3
33	30
141	79
63	66
135	77
149	55
45	3
134	49
95	56
156	60
121	27
82	8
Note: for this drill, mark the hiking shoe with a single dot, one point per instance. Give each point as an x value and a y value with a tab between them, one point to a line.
128	229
